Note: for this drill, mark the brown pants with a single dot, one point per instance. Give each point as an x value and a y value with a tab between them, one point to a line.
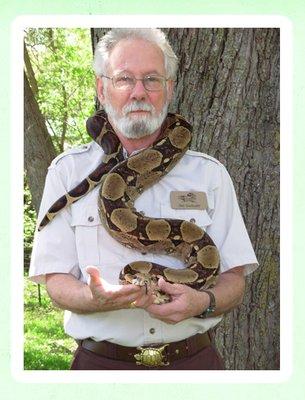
206	359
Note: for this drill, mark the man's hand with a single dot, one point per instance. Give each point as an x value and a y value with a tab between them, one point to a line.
114	297
186	302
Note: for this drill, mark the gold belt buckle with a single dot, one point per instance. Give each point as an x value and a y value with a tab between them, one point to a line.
151	356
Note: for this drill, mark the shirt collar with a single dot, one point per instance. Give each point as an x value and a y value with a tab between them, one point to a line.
126	155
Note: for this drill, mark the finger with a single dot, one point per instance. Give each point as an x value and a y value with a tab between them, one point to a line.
162	310
109	291
121	294
95	278
145	292
144	301
129	299
169	288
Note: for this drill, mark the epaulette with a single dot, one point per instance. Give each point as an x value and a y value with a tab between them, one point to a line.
74	150
203	155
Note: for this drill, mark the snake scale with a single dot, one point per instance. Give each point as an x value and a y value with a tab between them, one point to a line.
121	182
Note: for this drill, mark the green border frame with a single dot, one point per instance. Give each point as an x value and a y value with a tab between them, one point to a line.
293	387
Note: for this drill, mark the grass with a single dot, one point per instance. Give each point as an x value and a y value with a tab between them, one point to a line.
46	345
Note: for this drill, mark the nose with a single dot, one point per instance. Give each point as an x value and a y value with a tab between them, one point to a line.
139	92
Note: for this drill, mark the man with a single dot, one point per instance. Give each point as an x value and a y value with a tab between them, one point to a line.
80	262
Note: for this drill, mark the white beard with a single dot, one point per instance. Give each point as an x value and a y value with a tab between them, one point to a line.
136	127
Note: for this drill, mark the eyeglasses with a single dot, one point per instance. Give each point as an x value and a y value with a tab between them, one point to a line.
126	81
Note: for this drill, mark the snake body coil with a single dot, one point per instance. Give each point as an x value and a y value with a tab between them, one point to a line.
122	181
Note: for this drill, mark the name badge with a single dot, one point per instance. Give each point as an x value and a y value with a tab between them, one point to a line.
188	200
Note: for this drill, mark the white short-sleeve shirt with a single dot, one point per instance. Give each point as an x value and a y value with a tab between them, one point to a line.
75	239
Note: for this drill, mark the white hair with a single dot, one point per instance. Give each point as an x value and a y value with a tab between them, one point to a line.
153	35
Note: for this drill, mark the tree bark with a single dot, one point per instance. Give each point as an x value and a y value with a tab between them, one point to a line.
38	147
228	88
29	71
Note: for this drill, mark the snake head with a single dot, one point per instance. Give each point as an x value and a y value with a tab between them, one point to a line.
136	279
141	280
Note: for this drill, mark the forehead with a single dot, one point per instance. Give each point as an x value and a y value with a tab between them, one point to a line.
136	56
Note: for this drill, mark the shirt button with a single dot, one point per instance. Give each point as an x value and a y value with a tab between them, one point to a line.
90	219
192	220
152	331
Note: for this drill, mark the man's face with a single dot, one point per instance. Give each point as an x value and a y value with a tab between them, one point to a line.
135	112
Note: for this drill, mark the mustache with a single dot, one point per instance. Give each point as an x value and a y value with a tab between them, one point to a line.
137	106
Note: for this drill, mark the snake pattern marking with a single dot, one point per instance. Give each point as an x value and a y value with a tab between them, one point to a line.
122	181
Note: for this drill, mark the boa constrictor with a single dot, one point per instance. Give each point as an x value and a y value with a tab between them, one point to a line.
122	181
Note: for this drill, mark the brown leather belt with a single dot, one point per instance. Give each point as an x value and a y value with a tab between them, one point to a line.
154	355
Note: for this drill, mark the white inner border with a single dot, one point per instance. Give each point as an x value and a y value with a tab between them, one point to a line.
160	21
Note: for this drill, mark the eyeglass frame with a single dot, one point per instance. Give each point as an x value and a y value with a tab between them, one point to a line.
138	79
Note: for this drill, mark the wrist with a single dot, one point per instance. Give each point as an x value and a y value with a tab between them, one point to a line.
91	303
209	306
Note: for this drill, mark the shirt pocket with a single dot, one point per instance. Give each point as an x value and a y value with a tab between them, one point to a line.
202	218
86	222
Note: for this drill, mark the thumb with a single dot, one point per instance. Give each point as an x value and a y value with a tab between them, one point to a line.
167	287
94	273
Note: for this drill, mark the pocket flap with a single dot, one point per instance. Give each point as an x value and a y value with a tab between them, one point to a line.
85	215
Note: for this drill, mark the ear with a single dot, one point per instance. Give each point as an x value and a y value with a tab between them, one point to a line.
170	90
100	89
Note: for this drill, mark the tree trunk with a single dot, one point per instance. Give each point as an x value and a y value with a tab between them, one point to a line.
38	147
29	71
228	88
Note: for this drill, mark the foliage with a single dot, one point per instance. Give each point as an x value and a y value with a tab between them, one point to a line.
61	60
46	346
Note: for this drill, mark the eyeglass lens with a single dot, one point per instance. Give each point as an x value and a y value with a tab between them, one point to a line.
128	81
